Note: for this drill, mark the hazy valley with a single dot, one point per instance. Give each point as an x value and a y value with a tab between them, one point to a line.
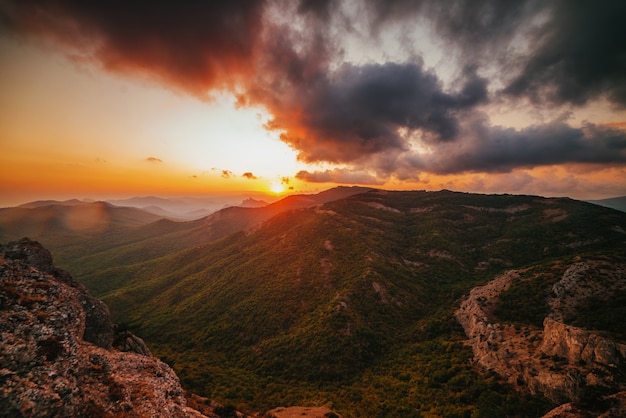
361	300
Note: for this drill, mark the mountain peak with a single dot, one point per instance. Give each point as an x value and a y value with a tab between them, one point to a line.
252	203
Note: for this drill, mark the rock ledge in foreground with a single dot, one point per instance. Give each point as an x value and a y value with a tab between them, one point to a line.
57	354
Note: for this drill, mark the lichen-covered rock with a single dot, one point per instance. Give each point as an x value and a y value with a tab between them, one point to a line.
127	341
56	355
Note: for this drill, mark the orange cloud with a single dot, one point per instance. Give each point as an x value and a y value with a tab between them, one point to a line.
249	175
338	176
194	46
619	125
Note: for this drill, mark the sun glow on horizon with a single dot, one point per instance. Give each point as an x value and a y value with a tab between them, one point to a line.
277	187
120	135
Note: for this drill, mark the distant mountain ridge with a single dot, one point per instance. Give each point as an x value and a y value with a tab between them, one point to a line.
252	203
185	208
44	203
618	203
236	218
70	217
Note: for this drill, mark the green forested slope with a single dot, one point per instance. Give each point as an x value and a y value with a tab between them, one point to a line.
89	238
349	303
84	229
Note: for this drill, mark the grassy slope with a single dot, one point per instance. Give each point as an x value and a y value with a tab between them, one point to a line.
349	303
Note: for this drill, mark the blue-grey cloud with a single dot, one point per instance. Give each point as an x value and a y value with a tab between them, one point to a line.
498	149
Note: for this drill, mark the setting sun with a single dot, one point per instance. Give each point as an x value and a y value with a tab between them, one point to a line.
277	188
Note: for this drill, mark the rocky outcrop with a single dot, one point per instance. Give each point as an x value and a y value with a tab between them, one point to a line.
127	341
496	346
57	355
580	346
563	362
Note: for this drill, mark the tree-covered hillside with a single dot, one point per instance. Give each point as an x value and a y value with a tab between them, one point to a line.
350	303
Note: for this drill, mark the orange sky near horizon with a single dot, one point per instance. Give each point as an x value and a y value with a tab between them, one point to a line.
77	131
84	114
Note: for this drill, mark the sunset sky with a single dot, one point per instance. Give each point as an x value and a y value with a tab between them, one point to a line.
104	99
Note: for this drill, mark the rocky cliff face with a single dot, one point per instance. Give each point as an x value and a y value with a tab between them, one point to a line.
563	362
60	354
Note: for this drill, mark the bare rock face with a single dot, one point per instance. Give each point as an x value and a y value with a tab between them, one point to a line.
56	354
127	341
563	362
580	346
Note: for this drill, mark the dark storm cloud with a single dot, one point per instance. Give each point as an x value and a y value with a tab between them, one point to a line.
190	44
490	149
580	55
321	9
360	114
369	103
576	49
361	110
497	149
469	22
477	32
478	20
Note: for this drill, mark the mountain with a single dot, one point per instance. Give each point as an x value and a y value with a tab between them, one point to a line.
351	302
349	299
162	213
93	237
618	203
236	218
252	203
62	356
74	218
44	203
184	208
